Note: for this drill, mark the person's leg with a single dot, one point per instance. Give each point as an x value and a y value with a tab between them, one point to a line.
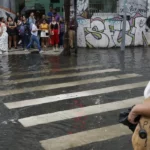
37	41
23	41
15	41
46	41
53	42
42	41
10	41
31	42
71	38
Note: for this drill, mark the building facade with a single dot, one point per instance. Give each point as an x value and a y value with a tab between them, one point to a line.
58	4
100	23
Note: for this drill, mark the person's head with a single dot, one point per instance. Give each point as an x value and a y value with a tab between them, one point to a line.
1	18
55	11
43	17
17	14
61	19
24	18
9	19
44	21
31	14
51	9
53	18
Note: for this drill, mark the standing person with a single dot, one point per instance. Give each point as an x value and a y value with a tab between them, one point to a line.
56	15
18	17
34	37
32	19
50	14
25	32
12	32
44	33
62	31
54	32
3	38
73	26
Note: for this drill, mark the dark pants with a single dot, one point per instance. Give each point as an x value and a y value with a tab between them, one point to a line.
61	38
36	40
25	40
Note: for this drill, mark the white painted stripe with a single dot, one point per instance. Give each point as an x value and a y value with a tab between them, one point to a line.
48	70
8	82
65	85
80	112
86	137
61	97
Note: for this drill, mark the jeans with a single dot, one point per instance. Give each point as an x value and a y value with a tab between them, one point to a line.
36	40
61	38
25	40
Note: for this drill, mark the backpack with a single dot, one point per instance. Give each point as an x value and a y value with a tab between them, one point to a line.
22	29
62	27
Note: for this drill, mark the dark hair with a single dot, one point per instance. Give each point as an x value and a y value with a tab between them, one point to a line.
9	17
1	18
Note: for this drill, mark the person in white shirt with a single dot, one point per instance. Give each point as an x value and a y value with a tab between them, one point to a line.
34	37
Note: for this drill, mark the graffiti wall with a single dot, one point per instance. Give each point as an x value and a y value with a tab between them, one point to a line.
105	30
7	8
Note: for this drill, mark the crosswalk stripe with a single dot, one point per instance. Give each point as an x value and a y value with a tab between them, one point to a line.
79	112
65	85
50	70
86	137
59	76
61	97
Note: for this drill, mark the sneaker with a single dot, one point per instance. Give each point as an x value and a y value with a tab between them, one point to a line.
41	51
26	50
53	48
56	49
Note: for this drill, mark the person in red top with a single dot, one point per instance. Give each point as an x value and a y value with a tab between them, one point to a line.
54	32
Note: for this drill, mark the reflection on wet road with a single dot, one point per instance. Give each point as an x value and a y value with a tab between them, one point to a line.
60	103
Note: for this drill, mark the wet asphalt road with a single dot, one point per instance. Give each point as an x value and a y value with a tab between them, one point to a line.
33	76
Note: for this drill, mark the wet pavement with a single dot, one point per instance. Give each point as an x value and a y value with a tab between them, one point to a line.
51	102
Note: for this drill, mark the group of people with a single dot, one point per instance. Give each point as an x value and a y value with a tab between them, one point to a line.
45	32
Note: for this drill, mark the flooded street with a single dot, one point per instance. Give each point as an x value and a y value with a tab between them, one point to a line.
59	103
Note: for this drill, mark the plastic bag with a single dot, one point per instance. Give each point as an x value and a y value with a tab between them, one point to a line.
147	91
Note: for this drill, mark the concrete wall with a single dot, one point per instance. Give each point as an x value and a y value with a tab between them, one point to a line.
7	7
105	30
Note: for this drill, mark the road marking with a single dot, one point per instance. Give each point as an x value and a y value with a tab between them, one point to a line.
65	85
8	82
48	70
86	137
61	97
79	112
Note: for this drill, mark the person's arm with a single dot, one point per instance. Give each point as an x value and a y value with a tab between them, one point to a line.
50	30
58	28
140	109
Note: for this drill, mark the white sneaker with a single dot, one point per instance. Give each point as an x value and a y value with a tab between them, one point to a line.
26	50
56	49
53	48
41	51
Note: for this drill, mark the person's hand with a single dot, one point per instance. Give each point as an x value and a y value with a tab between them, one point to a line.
132	115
